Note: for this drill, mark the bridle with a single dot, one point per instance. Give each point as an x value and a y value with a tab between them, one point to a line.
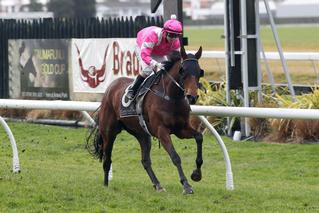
180	82
183	71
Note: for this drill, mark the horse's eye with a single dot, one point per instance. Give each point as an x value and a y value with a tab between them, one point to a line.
181	71
201	73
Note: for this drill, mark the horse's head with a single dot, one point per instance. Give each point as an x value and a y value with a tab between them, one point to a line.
190	73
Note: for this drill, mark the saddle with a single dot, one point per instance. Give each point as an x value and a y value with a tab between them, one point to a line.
140	94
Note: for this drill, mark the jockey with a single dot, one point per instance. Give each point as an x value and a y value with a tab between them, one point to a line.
154	44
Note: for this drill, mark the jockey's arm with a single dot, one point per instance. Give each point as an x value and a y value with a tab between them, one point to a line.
149	41
146	52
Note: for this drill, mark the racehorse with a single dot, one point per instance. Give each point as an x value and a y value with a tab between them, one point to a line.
164	115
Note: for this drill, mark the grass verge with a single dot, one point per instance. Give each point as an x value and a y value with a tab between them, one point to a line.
58	175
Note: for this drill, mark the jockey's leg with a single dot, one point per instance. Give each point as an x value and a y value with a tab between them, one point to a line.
133	89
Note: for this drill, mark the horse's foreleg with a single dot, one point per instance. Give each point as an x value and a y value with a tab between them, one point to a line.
189	133
145	143
165	139
197	174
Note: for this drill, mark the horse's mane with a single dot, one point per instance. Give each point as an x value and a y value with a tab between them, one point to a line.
174	57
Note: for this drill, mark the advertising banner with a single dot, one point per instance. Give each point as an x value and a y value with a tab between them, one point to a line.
38	68
97	62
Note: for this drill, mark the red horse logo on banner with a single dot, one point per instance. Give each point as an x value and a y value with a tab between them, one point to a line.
93	76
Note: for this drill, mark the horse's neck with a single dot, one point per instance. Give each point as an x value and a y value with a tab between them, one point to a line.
174	71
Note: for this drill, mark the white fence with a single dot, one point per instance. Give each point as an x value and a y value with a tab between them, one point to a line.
91	106
197	110
15	157
302	56
312	114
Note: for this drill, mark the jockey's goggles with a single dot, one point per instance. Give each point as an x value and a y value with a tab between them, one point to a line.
173	35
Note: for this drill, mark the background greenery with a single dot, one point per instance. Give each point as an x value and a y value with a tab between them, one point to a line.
303	38
58	175
293	38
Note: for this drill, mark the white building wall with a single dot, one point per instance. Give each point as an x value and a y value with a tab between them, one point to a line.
297	10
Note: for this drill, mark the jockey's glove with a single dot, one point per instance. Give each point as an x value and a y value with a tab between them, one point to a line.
157	65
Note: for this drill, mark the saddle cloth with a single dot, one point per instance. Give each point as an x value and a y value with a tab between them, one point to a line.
142	91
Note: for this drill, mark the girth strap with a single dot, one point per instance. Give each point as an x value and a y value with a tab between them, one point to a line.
139	112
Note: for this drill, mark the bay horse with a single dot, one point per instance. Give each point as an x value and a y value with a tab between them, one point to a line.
163	116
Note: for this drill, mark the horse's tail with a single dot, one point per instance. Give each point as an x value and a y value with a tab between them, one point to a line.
94	140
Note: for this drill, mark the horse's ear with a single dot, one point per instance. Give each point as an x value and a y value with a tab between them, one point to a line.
199	53
183	52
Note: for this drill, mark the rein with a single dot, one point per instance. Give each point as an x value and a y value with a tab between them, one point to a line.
175	82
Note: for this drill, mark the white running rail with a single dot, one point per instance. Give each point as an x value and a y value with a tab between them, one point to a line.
92	106
303	56
312	114
229	173
15	157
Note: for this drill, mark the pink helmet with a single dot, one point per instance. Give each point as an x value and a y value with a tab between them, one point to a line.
173	25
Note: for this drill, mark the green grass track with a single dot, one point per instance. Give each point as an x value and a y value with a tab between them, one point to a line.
58	175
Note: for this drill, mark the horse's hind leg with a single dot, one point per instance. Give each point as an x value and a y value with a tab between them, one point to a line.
107	158
109	128
145	143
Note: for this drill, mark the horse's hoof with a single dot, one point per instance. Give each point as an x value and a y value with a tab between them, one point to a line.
159	188
196	175
188	191
106	183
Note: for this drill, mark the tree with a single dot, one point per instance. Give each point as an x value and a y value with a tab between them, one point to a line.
35	6
84	8
72	8
61	8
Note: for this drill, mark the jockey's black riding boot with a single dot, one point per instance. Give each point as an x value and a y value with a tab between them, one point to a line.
133	89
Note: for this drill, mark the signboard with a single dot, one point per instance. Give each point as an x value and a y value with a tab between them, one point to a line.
97	62
38	68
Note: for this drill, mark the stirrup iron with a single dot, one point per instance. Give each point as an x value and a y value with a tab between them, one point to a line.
125	100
